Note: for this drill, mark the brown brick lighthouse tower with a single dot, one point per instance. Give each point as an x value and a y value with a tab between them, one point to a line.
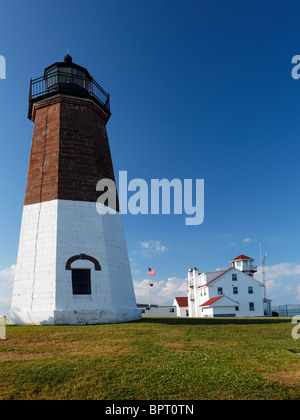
73	265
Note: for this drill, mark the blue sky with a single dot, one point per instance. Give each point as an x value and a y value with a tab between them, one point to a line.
199	89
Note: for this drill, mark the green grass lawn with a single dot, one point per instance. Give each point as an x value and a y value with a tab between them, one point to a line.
152	359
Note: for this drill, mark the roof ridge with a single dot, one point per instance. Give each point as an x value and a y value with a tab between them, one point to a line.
215	278
212	300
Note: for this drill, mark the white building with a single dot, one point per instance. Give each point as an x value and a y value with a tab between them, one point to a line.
227	293
182	306
157	311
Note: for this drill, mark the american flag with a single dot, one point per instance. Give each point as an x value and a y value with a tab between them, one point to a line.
151	271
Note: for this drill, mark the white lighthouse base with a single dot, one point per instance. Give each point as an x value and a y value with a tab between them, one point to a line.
54	233
78	317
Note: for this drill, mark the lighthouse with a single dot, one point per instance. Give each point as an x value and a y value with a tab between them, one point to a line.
73	266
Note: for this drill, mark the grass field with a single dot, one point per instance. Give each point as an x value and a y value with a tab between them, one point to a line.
152	359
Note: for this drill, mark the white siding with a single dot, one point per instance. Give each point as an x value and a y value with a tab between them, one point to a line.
51	233
159	311
202	289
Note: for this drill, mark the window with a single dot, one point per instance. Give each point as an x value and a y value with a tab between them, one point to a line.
186	312
81	282
220	290
171	310
234	277
239	263
251	306
235	290
237	308
250	290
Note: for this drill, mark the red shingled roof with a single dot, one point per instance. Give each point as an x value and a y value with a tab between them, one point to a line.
242	257
211	301
182	302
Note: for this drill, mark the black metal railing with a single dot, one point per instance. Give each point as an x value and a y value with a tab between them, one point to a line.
250	268
60	81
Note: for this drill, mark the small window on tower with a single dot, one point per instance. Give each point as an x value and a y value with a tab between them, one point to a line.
81	282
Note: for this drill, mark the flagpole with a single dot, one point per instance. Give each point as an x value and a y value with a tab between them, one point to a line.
149	300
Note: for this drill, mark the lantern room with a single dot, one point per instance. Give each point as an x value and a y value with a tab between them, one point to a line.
67	76
70	79
244	263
